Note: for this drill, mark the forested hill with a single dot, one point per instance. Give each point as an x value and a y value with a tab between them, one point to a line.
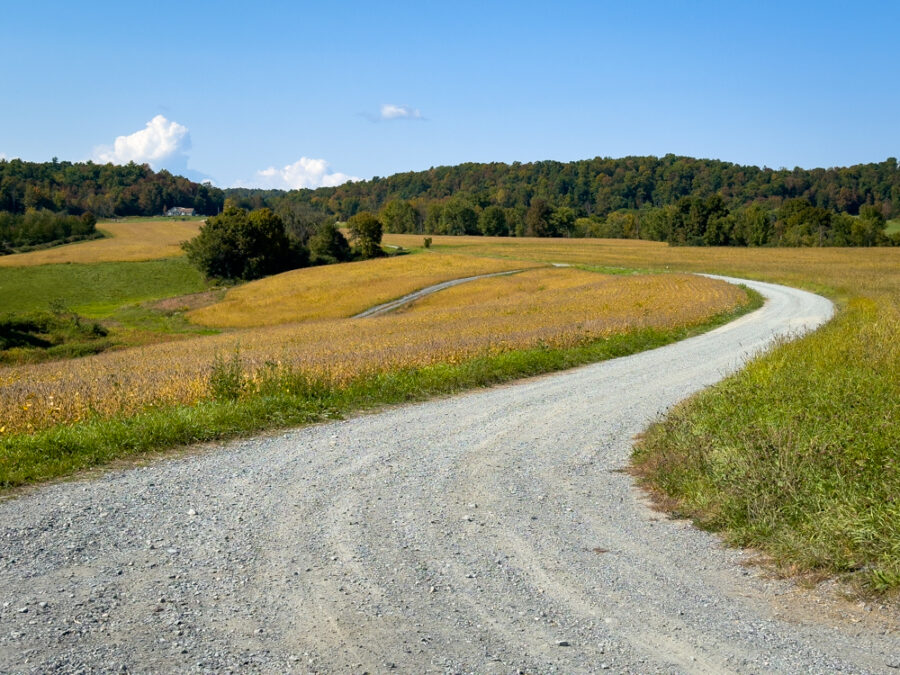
677	199
600	186
103	190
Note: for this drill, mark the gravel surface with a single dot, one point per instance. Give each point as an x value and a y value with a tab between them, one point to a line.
491	532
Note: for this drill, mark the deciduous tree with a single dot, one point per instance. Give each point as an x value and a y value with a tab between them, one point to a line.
365	234
238	244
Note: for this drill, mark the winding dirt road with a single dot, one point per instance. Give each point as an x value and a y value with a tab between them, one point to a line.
491	532
388	307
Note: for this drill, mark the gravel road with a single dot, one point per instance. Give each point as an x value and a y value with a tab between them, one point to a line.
387	307
491	532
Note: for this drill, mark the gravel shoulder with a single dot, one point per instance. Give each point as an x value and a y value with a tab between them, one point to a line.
491	532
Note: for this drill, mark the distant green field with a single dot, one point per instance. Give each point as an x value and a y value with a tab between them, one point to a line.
892	226
95	290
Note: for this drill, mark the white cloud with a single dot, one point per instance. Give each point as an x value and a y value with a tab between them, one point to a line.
162	143
2	155
304	173
390	111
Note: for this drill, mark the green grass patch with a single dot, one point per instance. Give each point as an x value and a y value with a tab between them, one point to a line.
41	336
284	398
795	456
145	319
892	227
95	290
615	271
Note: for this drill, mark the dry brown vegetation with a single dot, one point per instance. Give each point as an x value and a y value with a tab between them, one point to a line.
843	271
128	241
549	307
337	291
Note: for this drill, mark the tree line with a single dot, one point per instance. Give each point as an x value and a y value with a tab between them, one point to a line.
682	200
695	221
677	199
104	190
58	202
22	232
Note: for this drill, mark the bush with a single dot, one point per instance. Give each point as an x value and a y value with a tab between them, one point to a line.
59	333
226	378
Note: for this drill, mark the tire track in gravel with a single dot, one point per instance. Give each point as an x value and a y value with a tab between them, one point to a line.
457	535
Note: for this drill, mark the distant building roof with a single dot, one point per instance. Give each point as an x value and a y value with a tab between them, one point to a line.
180	211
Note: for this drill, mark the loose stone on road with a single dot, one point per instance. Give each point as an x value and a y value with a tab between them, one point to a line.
491	532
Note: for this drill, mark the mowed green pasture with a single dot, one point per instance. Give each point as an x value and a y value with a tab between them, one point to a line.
95	290
893	226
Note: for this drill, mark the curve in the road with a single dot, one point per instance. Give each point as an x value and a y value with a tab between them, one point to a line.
491	532
387	307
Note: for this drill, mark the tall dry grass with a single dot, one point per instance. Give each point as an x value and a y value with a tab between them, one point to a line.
128	241
335	291
547	307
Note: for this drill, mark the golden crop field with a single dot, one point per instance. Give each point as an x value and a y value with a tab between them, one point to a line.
338	291
847	271
129	241
554	307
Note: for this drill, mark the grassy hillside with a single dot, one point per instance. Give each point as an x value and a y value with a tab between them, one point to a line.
336	291
95	290
132	240
557	308
66	311
77	411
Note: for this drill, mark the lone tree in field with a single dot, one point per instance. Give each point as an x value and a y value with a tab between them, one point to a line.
365	233
238	244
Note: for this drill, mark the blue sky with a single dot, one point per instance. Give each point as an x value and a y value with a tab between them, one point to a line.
289	94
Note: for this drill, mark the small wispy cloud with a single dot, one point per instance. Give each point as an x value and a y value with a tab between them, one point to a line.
391	112
304	173
160	143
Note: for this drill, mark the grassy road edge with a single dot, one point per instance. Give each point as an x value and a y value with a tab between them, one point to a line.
288	399
793	456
